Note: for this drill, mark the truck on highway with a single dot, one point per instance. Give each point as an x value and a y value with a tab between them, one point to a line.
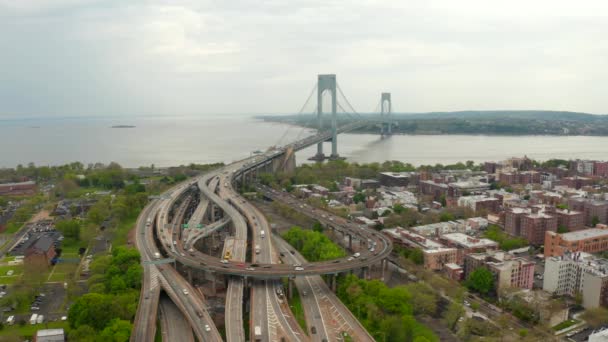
40	319
148	222
262	234
257	330
257	249
33	319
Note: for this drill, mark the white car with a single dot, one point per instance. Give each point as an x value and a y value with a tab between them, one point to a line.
298	268
224	261
185	292
10	272
207	327
350	259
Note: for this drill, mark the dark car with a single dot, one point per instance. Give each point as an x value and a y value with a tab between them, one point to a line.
313	330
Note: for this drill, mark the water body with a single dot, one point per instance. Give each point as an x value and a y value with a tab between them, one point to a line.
168	141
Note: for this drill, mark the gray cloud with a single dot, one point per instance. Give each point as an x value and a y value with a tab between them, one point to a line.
75	57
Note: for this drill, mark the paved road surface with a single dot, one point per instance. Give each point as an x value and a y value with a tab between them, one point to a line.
322	307
173	324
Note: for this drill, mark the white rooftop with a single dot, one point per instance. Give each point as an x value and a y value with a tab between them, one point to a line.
468	241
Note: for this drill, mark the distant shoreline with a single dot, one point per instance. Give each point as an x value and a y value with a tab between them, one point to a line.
122	126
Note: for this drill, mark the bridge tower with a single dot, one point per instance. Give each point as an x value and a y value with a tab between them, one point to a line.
385	113
327	83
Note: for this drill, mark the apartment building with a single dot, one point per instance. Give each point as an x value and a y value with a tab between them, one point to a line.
434	189
535	224
509	271
592	240
530	223
574	273
480	202
436	256
572	220
467	244
398	178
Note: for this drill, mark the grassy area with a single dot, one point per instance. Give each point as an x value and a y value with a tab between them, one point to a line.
565	324
57	277
27	330
296	308
17	269
6	280
7	259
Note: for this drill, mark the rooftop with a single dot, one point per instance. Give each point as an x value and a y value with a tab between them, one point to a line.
584	234
398	174
468	241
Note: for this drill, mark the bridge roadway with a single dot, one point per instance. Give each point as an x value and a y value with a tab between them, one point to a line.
165	276
276	320
272	271
322	308
234	302
173	324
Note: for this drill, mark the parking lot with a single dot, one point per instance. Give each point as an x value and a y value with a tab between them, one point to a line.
34	231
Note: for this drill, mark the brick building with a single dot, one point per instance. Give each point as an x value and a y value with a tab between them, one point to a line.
596	209
434	189
480	202
466	245
436	256
592	240
398	178
513	220
572	220
520	177
535	224
40	253
576	182
22	188
530	223
600	169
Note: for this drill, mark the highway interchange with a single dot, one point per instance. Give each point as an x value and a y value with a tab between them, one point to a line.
161	240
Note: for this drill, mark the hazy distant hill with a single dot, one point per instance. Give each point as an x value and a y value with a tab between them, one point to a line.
499	122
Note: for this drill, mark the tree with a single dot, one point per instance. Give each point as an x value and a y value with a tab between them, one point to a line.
84	333
69	228
453	314
596	317
424	299
562	229
594	221
481	280
417	256
92	309
117	331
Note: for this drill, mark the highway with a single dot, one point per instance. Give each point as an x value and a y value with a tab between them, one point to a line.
275	320
144	328
322	308
267	309
173	324
165	276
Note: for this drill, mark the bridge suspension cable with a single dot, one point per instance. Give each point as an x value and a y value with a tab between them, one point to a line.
280	140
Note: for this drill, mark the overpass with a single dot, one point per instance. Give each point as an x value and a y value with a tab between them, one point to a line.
216	192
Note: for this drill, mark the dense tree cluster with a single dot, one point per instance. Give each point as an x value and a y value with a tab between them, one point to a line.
505	242
69	228
481	280
387	313
112	302
313	245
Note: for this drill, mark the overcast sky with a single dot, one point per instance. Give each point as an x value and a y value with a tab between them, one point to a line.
93	57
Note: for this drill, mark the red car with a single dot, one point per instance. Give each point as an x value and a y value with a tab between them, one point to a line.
240	265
